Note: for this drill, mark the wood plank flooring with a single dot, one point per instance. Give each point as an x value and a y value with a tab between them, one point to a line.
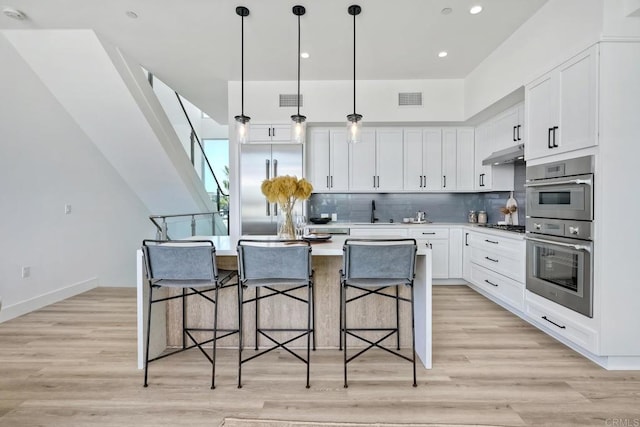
73	364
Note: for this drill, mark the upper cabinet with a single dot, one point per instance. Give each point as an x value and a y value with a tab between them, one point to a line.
328	160
508	128
423	159
375	164
270	133
561	107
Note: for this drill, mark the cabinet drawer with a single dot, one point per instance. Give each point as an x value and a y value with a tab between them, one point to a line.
503	288
429	233
509	247
508	265
547	318
379	231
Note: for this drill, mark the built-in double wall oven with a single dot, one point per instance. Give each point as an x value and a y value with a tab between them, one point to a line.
559	229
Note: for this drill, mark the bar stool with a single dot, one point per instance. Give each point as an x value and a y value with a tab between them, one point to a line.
280	267
190	266
371	266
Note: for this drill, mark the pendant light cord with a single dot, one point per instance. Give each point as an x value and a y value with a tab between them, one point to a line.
298	100
354	64
242	66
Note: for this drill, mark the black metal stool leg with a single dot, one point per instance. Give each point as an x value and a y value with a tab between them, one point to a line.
313	313
240	337
340	304
257	314
343	304
146	357
413	339
215	339
184	319
309	330
397	319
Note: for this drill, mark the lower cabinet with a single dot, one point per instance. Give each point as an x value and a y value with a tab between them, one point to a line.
560	321
496	265
438	240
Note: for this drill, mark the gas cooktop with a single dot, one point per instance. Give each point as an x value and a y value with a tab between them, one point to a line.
512	228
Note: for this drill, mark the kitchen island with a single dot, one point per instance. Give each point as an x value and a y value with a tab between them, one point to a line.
327	261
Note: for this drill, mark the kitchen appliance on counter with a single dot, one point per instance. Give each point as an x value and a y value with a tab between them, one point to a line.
559	229
257	163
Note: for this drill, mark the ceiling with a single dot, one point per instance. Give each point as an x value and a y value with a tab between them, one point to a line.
194	45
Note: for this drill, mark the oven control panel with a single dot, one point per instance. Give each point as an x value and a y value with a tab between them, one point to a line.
561	228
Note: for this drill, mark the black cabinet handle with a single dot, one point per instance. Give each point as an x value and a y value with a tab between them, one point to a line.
466	239
555	145
444	178
519	138
554	323
430	233
492	284
491	259
328	182
331	181
420	181
549	138
492	241
514	133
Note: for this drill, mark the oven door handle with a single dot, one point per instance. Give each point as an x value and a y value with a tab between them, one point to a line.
570	181
566	245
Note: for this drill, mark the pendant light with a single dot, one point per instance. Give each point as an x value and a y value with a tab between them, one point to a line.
242	121
354	121
298	125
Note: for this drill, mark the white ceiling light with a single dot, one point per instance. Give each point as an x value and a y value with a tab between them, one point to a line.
304	55
14	13
131	14
446	11
442	54
475	10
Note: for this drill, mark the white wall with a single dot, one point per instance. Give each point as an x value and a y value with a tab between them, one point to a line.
558	31
621	18
46	161
331	101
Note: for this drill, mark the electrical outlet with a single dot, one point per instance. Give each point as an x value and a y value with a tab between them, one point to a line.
67	209
26	272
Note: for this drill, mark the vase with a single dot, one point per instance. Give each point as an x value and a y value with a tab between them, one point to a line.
286	229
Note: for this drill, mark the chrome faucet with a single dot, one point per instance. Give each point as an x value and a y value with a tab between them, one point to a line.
373	212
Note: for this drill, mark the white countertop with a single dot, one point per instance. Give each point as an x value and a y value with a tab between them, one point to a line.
226	245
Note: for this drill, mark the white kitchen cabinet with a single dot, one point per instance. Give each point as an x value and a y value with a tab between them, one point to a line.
495	264
561	107
508	128
449	154
487	141
458	159
269	133
455	252
376	163
422	159
437	239
328	160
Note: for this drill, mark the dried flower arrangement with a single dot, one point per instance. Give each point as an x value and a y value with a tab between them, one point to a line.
286	191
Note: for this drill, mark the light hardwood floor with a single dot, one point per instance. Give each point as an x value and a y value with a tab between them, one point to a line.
74	364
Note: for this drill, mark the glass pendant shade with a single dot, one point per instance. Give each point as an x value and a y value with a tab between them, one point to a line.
298	129
354	128
242	129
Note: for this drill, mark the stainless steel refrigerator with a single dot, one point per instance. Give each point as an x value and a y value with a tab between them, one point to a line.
257	163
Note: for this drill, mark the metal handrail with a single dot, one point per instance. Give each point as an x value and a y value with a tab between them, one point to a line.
163	228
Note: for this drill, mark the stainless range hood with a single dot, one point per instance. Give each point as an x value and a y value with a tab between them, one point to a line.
508	155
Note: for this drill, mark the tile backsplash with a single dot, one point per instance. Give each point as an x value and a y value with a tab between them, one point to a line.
440	207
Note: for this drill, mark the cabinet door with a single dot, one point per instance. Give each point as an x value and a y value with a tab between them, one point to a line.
413	176
541	107
483	148
449	154
339	160
465	159
440	255
389	159
281	133
455	252
318	159
260	133
362	163
432	159
577	103
505	129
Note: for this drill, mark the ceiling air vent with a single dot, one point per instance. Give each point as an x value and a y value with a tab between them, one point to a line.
290	100
410	99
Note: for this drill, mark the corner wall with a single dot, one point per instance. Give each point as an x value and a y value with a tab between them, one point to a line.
47	161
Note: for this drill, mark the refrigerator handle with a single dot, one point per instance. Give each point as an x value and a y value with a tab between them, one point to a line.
266	174
275	167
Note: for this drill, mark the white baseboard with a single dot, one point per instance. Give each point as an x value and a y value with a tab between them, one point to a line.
24	307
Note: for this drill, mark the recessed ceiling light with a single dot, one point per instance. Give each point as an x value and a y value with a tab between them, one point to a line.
14	13
443	54
131	14
446	11
475	10
304	55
